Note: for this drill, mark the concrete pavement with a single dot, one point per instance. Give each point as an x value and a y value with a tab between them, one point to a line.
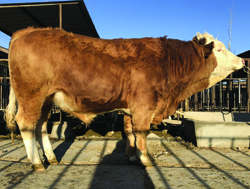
100	163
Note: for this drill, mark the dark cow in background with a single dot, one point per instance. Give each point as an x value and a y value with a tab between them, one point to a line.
146	78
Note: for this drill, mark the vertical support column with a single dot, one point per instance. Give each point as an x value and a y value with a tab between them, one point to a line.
208	99
231	93
60	16
2	91
1	94
213	98
221	96
195	102
248	87
60	26
239	99
4	87
203	100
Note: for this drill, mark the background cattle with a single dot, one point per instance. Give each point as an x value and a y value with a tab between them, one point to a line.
145	78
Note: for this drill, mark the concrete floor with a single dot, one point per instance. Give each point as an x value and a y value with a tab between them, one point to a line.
100	163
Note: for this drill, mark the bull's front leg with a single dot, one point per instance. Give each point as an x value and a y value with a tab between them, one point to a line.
137	130
141	129
130	147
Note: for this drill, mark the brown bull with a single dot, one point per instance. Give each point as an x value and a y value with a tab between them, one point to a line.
146	78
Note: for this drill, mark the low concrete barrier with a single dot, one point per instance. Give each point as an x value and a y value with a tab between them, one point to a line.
217	129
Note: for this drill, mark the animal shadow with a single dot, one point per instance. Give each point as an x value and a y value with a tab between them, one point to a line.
114	171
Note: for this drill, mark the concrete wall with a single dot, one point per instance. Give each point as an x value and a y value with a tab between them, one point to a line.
218	129
220	116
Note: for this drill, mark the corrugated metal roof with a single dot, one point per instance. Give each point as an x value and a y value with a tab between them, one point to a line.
75	17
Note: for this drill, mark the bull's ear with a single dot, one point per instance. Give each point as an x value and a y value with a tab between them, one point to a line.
195	39
207	49
201	41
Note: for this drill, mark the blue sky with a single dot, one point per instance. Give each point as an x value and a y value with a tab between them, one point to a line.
178	19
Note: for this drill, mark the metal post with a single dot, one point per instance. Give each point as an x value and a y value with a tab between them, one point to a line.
4	87
248	87
208	99
231	93
195	102
60	26
60	16
239	100
213	98
202	93
221	96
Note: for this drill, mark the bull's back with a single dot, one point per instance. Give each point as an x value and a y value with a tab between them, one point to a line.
47	48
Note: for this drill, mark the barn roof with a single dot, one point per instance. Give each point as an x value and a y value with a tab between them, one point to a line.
244	54
75	17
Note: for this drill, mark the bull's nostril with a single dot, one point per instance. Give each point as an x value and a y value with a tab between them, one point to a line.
243	61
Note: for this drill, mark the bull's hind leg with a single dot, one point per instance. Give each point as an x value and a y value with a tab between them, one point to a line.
42	135
26	121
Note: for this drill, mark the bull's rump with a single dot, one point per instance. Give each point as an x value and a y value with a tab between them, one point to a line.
94	75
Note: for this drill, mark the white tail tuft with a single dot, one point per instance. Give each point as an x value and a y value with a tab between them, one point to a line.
10	113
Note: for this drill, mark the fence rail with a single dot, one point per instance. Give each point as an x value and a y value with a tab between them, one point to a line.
227	95
230	94
4	84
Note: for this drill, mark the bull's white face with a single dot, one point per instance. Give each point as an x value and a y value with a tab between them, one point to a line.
227	62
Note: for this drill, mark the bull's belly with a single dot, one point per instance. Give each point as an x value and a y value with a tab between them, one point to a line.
81	111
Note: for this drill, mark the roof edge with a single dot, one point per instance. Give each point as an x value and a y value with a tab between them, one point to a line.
28	4
2	49
79	3
89	19
245	54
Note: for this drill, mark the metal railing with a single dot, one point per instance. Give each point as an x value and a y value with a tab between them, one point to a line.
227	95
230	94
4	84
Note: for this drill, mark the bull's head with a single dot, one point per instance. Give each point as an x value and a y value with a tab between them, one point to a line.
227	62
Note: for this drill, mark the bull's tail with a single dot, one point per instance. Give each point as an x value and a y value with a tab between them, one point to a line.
10	114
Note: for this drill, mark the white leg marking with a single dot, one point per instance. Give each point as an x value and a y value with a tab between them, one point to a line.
32	151
144	158
46	147
142	155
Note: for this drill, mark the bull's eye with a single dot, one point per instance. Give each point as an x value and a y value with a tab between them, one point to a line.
219	50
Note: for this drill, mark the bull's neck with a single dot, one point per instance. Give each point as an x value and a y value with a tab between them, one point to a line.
187	74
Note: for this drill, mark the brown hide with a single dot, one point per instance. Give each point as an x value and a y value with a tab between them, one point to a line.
187	71
97	75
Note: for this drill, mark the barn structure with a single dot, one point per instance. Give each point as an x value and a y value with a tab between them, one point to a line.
72	16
